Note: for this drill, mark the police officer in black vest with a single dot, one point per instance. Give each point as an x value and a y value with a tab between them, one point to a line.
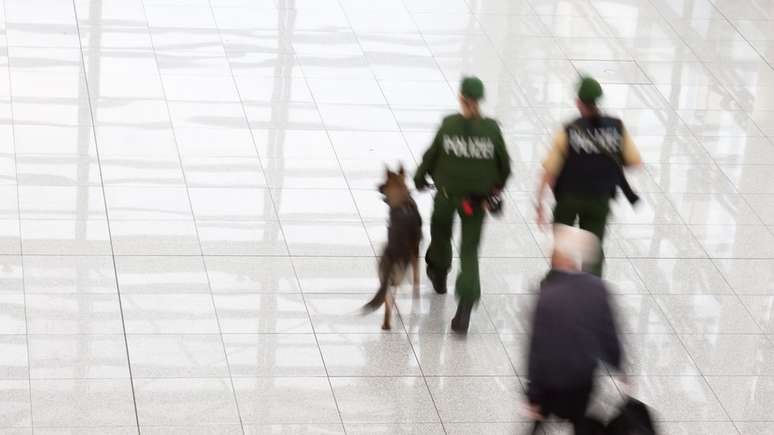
585	167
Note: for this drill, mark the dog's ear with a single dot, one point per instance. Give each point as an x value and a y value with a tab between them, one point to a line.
401	170
387	172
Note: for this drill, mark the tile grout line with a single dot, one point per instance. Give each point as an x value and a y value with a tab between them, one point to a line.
290	15
522	379
196	222
19	226
93	133
725	176
749	115
402	134
361	222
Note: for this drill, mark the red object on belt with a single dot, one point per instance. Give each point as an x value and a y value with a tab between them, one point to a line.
467	208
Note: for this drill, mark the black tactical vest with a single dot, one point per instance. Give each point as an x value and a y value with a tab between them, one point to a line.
594	157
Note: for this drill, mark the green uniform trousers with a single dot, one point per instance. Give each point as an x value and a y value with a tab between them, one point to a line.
591	213
439	254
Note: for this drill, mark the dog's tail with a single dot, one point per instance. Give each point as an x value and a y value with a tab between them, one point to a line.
381	295
376	301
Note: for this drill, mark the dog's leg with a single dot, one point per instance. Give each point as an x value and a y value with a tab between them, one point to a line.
416	273
388	299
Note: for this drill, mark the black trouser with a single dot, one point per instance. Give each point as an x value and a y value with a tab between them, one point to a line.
570	404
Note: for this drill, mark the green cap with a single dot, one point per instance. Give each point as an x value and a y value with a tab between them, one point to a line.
472	88
589	90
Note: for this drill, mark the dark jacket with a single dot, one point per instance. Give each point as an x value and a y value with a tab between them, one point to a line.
573	328
594	159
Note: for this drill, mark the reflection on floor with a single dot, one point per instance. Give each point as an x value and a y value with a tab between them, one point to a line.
188	220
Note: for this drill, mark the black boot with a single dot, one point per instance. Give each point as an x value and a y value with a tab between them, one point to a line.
461	320
438	279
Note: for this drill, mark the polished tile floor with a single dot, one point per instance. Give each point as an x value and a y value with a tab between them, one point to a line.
188	220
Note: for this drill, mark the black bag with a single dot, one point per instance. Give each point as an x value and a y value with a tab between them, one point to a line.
633	419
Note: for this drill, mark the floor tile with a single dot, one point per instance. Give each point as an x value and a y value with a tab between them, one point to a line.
61	202
148	203
432	314
487	428
749	179
508	240
243	274
658	241
181	401
751	428
450	355
161	274
68	274
316	205
11	274
14	360
679	398
714	209
16	403
339	313
303	173
510	313
396	428
282	400
231	429
384	400
260	355
66	237
12	314
73	314
233	204
517	347
747	276
500	398
741	241
681	276
178	313
621	277
154	238
761	309
640	314
78	403
705	314
177	356
329	239
762	205
369	355
262	313
744	397
241	238
657	355
718	354
77	357
336	275
295	429
224	172
520	275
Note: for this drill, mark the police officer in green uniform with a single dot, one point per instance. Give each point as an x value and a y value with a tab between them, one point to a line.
467	159
584	167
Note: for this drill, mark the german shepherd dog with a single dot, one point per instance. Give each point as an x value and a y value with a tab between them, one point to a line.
404	233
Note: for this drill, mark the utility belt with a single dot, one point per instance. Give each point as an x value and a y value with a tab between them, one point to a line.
491	203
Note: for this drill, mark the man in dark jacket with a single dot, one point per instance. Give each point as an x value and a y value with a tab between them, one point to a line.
573	329
468	161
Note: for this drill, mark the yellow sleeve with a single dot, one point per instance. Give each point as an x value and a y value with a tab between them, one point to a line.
631	155
555	160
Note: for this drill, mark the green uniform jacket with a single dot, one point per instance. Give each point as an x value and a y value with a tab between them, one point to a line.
467	157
